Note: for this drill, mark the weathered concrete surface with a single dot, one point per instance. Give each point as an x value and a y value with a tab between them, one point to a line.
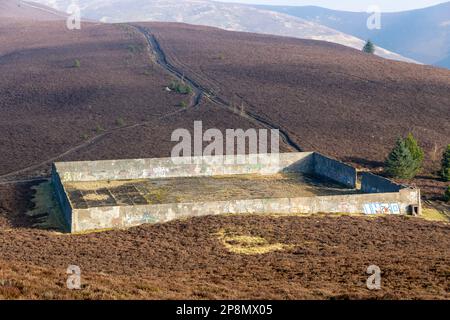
126	216
63	199
387	198
184	167
335	170
371	183
89	194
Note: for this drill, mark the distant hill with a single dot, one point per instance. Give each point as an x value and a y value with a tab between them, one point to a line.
24	10
423	34
228	16
330	98
326	97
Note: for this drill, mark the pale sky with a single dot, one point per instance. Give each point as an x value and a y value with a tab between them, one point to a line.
350	5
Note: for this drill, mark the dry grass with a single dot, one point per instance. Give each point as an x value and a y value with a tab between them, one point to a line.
95	197
229	257
432	214
95	185
156	195
224	187
248	245
33	282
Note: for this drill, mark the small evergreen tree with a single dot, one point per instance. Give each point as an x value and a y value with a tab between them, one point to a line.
416	151
445	171
180	87
400	163
120	122
76	63
447	194
369	47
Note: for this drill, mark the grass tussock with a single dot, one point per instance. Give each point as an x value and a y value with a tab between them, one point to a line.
156	195
248	245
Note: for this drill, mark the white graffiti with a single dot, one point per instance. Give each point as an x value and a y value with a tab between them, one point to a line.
382	208
160	171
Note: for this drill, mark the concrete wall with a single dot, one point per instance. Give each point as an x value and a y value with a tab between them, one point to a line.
121	217
371	183
305	162
335	170
195	166
63	200
383	197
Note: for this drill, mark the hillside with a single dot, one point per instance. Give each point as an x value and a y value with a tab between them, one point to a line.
329	98
114	104
422	34
325	258
228	16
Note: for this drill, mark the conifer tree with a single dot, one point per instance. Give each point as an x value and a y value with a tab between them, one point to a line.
369	47
400	162
445	171
416	151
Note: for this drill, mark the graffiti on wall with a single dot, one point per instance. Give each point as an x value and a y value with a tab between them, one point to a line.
382	208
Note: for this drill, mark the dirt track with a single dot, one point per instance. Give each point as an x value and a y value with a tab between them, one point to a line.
328	97
58	109
6	178
155	50
211	97
48	107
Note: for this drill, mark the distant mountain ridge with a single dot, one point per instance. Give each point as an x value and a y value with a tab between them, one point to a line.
228	16
422	34
25	10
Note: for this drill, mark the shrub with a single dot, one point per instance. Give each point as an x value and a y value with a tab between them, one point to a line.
120	122
400	162
76	63
99	129
445	171
447	194
135	48
369	47
180	87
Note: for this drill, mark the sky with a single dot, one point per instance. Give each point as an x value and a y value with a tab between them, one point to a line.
351	5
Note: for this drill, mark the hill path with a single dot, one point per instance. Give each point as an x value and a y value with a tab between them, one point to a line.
201	91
